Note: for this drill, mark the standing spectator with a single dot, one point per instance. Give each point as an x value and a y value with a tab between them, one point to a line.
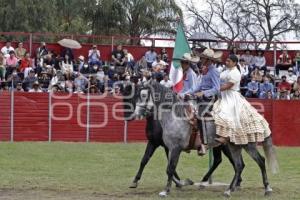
150	57
94	56
6	49
20	51
284	89
247	57
291	78
35	87
297	62
265	88
26	62
67	51
256	75
244	72
129	59
118	58
67	65
253	88
260	61
2	67
284	62
164	55
166	81
41	51
29	80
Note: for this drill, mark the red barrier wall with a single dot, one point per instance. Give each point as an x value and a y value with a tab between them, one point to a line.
69	117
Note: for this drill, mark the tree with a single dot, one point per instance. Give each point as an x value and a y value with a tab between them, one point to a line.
256	20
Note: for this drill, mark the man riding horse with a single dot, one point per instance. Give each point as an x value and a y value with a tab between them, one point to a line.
206	89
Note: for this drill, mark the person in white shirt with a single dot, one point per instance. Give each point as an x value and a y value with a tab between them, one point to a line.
129	59
159	65
291	78
247	57
166	82
260	61
6	49
35	87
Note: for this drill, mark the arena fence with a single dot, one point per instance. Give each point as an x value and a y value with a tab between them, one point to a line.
89	118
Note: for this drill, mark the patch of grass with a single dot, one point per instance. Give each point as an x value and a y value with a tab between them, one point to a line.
104	171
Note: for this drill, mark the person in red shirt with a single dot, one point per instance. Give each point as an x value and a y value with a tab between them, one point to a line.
25	62
284	89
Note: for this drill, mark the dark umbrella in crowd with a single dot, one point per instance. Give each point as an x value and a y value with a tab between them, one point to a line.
69	43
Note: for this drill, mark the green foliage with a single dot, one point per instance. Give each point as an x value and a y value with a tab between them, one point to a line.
105	17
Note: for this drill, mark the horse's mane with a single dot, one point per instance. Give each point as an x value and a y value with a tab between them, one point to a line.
162	94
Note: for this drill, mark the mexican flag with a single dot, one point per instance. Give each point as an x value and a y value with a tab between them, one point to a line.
181	47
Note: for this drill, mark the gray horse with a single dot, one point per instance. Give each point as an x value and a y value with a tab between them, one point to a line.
171	113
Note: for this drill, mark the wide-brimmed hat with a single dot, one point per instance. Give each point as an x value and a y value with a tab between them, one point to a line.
211	55
190	58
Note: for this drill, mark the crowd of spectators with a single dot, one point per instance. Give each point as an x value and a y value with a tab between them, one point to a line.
47	70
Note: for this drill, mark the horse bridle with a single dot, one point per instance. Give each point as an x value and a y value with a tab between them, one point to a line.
147	110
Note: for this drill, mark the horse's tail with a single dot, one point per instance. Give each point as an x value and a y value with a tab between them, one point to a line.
271	155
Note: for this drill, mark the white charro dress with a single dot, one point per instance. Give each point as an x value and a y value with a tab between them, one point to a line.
235	117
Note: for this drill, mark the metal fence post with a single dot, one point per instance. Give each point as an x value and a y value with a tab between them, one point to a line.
50	117
88	115
12	104
30	43
112	43
275	55
125	131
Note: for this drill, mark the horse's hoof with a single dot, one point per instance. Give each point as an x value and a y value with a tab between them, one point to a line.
179	186
203	185
188	182
133	185
268	191
227	194
163	194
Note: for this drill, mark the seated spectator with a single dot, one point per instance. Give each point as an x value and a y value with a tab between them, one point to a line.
265	88
270	95
29	80
67	51
101	79
44	81
67	65
118	58
296	95
59	80
69	83
80	83
244	72
247	57
150	57
55	89
2	67
11	63
85	70
284	62
291	78
159	65
166	81
4	86
94	56
26	62
19	87
256	74
284	89
296	85
20	51
94	69
270	76
41	51
297	62
129	59
79	64
35	87
13	79
94	90
7	49
252	89
259	61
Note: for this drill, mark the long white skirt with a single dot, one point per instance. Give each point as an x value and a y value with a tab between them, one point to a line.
237	119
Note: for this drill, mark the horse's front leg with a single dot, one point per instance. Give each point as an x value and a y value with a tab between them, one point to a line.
150	149
172	164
